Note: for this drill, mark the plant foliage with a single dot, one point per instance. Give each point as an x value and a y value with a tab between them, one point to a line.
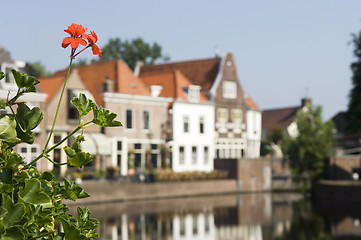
32	201
306	153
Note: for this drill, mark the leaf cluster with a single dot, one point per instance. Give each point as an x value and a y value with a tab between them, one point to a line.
306	153
132	51
32	201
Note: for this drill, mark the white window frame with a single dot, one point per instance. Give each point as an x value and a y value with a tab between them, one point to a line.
28	155
194	155
222	119
229	89
181	155
236	117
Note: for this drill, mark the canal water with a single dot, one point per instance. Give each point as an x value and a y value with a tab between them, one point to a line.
256	216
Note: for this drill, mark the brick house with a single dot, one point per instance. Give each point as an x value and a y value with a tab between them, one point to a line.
113	86
220	83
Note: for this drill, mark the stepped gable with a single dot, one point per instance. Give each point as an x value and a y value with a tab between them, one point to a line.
173	83
278	118
94	77
199	72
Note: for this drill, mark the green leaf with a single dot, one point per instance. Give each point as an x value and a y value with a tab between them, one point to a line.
2	75
104	118
24	81
28	119
80	159
13	233
27	137
72	191
6	175
15	212
84	220
83	104
72	232
8	130
2	103
76	157
34	193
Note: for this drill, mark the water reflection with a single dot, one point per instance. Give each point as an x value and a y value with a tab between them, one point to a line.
241	217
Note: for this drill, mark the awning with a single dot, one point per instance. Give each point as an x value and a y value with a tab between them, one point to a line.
97	144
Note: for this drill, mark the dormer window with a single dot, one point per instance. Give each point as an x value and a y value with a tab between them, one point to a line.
193	93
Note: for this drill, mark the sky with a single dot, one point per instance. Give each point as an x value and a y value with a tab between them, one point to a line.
284	50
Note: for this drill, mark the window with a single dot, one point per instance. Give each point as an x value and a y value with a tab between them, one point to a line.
73	114
181	155
129	118
29	152
146	120
9	77
236	115
182	227
201	125
186	124
57	138
222	115
119	153
194	155
193	93
195	225
205	155
229	89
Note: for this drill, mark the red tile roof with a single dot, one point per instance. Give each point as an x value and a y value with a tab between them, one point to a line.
278	118
173	84
251	104
200	72
94	77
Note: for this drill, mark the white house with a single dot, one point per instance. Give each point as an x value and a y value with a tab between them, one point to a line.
254	129
191	122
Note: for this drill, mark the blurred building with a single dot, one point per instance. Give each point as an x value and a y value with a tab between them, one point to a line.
8	89
179	115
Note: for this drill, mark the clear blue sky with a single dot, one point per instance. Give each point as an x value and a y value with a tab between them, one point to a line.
284	50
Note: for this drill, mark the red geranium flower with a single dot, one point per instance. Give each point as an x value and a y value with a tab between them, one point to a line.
92	39
77	36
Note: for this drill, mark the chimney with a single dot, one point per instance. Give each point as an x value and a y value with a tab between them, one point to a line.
306	101
155	90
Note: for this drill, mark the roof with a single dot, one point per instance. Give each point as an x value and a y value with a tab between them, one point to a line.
5	56
174	84
278	118
251	104
94	76
200	72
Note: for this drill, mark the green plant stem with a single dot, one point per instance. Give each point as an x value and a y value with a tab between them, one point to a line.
53	147
57	109
44	153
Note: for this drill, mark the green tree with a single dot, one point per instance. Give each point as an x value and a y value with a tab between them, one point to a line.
354	106
132	51
306	153
36	69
